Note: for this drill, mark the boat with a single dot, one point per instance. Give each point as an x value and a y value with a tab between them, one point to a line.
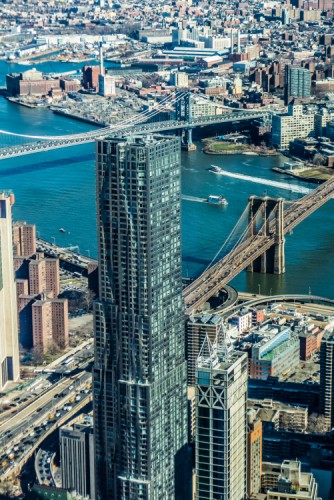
217	200
214	169
62	230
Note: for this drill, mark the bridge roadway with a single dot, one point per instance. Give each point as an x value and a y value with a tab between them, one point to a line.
142	128
262	299
216	277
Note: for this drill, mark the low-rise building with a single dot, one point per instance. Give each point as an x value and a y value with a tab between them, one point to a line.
275	354
280	416
242	321
290	483
30	83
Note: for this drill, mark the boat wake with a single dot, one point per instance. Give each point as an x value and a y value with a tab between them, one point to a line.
259	180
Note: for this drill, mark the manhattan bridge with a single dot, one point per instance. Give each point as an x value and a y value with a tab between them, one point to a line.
256	242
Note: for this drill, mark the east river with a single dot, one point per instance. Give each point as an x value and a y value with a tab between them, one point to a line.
57	189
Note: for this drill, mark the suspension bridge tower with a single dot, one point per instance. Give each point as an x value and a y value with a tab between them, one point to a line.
184	113
266	217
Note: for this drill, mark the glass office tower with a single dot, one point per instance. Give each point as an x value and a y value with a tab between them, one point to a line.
221	438
140	405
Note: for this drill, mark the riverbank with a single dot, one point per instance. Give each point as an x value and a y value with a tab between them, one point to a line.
22	103
78	117
213	147
314	174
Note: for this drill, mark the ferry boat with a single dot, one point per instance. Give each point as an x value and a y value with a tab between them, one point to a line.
214	169
62	230
217	200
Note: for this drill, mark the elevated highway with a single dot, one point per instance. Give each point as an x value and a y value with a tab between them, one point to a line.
302	298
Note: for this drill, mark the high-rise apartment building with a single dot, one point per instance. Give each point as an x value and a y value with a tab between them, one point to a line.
9	346
327	379
44	275
291	125
221	425
321	119
49	323
140	392
24	239
297	83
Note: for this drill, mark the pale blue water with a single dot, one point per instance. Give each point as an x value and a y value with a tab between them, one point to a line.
57	189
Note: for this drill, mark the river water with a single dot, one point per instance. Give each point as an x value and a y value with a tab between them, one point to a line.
57	189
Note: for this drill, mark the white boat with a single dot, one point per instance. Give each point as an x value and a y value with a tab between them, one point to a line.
214	169
217	200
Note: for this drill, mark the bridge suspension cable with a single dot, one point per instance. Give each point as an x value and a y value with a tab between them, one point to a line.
235	231
231	244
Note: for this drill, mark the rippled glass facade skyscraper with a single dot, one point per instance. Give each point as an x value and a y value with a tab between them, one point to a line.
140	405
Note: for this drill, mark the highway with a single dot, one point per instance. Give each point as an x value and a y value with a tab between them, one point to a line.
327	305
19	439
33	414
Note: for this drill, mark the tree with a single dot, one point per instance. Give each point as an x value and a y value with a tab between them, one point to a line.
88	297
317	423
319	159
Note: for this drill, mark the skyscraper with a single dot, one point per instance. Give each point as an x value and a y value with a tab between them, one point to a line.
297	83
140	399
327	379
9	346
221	438
77	458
